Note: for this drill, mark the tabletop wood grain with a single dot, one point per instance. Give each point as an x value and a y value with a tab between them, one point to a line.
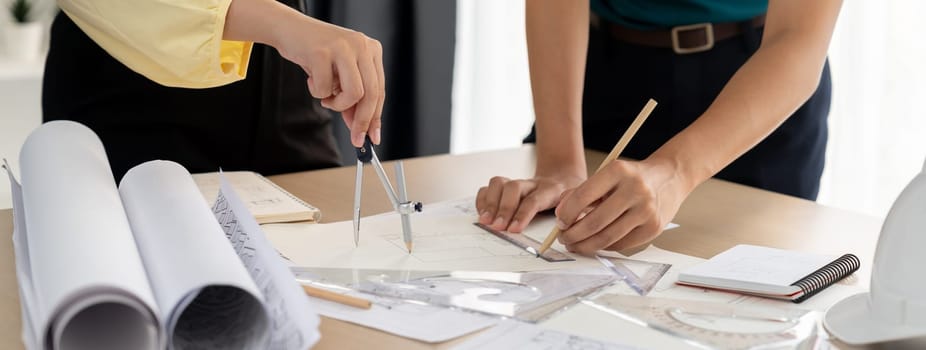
715	217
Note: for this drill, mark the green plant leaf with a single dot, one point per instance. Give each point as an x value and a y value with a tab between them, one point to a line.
21	10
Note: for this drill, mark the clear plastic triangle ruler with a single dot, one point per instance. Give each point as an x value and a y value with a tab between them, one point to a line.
638	275
529	296
715	325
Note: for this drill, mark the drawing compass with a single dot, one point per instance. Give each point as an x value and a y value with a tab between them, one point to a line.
399	198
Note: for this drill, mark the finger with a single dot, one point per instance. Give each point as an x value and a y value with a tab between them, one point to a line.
493	194
587	210
559	202
512	192
587	193
638	236
321	77
565	194
348	116
534	202
481	205
559	223
367	104
376	125
609	210
618	230
335	91
350	82
572	234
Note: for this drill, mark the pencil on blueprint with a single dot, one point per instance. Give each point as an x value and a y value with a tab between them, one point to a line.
348	300
615	153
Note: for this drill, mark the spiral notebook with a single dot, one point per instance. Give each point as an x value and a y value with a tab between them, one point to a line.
770	272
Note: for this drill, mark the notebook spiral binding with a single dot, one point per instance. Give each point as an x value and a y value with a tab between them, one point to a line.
826	276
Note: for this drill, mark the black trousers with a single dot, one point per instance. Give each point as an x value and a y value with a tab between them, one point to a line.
620	77
266	123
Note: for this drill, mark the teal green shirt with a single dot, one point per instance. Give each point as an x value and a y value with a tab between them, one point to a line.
654	14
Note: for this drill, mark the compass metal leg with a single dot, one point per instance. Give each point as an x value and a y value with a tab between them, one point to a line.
403	198
358	184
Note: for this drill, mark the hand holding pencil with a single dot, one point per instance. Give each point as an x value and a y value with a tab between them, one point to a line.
623	205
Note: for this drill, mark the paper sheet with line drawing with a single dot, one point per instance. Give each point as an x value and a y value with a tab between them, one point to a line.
444	239
442	242
294	324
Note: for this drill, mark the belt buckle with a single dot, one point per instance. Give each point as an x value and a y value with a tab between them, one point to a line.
708	33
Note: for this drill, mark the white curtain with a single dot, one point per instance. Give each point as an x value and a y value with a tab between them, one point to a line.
492	105
877	121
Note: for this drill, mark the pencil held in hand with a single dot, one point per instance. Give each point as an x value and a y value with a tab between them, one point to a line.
615	153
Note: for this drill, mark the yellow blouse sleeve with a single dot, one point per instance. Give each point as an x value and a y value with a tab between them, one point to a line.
175	43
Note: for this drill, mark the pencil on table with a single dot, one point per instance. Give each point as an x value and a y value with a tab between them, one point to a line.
348	300
615	153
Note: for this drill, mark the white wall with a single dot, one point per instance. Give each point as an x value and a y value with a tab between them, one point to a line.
877	122
20	92
20	112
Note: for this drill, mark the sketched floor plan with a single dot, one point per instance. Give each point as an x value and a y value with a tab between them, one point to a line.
457	246
444	238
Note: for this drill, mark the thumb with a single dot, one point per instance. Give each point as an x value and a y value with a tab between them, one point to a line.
562	197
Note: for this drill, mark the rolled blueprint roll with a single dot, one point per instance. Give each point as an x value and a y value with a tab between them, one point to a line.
89	286
207	298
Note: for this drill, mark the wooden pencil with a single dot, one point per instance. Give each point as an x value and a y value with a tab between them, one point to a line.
348	300
615	153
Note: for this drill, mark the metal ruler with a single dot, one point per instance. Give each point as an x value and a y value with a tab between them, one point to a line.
641	283
529	244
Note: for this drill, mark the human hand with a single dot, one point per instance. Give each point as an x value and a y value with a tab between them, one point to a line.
624	205
509	205
345	70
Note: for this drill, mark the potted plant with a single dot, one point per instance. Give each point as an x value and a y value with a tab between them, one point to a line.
24	35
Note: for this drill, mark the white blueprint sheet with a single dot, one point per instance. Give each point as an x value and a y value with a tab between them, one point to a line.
444	239
294	323
515	335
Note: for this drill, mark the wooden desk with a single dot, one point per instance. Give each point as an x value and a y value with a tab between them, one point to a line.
715	217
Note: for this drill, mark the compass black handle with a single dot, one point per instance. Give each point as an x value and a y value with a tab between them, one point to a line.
365	153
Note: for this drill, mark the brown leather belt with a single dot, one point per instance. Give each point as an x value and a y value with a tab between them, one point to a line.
684	39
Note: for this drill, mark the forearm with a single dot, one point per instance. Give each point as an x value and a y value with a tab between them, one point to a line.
557	39
259	21
344	68
762	94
